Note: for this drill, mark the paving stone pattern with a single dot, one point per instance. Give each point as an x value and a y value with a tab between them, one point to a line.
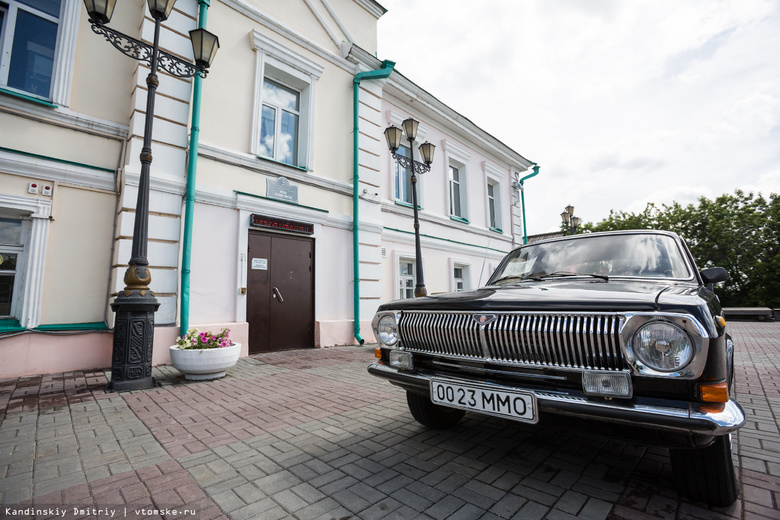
310	434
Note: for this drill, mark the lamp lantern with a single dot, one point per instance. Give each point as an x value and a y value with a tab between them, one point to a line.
204	47
100	11
393	136
410	127
426	150
161	9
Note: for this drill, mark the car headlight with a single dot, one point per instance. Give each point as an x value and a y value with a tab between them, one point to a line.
386	330
663	346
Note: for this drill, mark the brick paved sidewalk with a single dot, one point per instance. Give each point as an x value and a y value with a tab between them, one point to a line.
309	434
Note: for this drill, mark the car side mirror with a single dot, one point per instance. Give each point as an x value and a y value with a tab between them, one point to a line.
714	275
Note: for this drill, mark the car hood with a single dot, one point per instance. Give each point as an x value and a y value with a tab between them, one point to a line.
592	295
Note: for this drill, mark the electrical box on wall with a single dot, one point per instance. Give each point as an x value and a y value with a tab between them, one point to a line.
46	190
33	188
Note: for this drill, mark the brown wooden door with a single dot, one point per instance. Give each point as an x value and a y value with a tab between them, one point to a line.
280	292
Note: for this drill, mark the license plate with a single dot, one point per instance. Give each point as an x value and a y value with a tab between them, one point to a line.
499	401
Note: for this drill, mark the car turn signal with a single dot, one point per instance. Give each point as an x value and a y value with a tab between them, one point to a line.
714	393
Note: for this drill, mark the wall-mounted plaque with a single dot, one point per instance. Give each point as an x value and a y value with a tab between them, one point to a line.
281	189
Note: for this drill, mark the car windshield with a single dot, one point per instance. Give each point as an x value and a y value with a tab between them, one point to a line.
628	255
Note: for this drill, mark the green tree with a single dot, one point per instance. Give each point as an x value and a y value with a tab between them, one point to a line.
739	232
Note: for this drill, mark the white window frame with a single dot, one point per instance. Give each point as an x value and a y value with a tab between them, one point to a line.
30	263
64	49
397	170
494	177
457	157
466	275
399	290
295	71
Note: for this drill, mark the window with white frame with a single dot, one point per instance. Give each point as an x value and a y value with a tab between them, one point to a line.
28	44
285	95
279	122
406	277
402	178
456	193
494	204
11	260
457	180
460	277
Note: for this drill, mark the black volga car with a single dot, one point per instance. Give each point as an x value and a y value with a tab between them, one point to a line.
615	331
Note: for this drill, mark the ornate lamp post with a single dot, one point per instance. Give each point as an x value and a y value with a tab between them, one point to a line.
131	362
569	220
393	135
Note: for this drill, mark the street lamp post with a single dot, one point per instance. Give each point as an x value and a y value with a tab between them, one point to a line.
131	360
569	220
393	135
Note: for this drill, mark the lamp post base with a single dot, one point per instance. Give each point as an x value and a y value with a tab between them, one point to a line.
420	291
131	361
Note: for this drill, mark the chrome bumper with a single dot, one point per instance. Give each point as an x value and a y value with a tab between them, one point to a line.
694	419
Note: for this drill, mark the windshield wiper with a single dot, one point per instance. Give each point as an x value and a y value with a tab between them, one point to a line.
568	273
517	277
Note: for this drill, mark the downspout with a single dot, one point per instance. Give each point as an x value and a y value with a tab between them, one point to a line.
384	72
189	196
522	198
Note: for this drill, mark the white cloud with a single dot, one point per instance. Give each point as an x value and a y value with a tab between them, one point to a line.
621	103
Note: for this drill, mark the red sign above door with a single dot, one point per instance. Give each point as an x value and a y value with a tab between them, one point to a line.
281	224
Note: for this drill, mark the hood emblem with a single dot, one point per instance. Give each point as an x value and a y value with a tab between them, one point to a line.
484	319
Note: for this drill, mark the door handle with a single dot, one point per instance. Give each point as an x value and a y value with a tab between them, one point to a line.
278	295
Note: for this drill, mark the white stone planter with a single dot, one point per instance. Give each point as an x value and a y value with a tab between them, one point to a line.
207	363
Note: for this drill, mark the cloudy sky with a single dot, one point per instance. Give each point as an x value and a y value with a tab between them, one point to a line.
621	102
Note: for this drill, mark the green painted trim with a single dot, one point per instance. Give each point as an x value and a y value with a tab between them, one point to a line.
383	73
459	219
302	168
97	325
55	159
28	98
496	230
10	325
282	201
447	240
407	205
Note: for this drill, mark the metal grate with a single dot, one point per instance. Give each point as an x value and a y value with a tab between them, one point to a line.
566	340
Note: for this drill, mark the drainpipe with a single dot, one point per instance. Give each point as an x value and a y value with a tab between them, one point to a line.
522	198
384	72
189	197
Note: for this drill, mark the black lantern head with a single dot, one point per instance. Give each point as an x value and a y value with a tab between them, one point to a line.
204	47
426	150
100	11
161	9
393	135
575	222
565	217
570	210
410	127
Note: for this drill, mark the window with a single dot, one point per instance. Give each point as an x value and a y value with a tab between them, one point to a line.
279	122
285	94
406	277
457	197
460	278
10	252
28	40
494	205
458	159
402	178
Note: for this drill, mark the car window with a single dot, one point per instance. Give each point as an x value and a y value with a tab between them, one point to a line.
638	255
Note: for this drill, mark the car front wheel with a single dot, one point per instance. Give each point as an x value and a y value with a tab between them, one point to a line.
706	474
432	415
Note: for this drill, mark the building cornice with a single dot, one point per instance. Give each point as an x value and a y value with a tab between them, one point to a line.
270	168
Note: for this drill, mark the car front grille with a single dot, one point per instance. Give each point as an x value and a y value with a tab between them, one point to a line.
564	340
